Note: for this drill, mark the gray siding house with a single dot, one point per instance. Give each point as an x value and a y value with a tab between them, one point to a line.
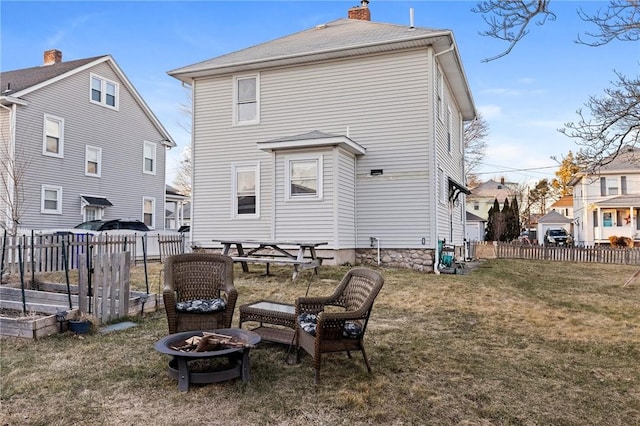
78	143
349	132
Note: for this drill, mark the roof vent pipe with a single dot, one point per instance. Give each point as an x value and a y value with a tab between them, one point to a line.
411	18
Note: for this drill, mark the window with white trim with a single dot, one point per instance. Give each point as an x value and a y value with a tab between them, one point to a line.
51	199
449	125
303	177
438	93
246	99
53	144
246	190
92	213
104	92
443	186
149	165
93	161
149	211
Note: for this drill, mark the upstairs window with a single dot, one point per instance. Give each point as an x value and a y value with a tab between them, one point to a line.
246	105
149	165
53	144
93	160
449	125
304	177
438	88
51	199
246	190
104	92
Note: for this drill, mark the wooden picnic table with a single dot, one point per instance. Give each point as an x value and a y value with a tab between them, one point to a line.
301	254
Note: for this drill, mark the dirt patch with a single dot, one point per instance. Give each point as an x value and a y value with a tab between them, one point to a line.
14	313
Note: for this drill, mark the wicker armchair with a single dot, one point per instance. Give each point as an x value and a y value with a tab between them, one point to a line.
337	331
196	277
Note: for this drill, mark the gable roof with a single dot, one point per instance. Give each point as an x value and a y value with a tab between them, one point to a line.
554	217
340	39
17	83
474	218
493	189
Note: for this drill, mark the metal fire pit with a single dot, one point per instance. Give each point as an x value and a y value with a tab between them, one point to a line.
239	364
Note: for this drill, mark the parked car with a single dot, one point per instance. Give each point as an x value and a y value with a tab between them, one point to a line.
557	237
113	224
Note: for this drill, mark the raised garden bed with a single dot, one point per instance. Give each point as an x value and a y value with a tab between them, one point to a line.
43	304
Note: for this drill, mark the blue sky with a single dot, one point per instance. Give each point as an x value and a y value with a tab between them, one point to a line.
525	97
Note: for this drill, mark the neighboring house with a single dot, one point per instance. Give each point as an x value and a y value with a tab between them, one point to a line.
483	196
608	204
85	144
476	227
349	132
564	206
176	209
552	220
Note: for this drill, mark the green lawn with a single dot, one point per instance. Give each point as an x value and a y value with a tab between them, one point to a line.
513	342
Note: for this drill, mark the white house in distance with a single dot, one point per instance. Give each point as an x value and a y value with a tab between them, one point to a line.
349	132
85	144
608	204
482	197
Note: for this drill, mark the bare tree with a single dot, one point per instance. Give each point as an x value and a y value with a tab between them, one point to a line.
510	21
182	180
620	21
475	146
13	168
612	123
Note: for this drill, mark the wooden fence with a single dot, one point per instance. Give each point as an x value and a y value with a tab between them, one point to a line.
109	291
50	252
592	254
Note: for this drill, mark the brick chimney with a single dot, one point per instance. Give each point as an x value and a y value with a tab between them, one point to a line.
361	12
52	56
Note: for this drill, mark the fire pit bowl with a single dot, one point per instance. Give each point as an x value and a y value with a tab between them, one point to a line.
238	357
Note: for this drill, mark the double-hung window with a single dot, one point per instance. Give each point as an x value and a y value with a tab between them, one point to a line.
449	126
53	144
246	99
303	177
438	88
246	190
149	165
148	211
51	199
93	161
104	92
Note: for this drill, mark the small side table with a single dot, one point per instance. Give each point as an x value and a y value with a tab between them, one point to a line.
277	320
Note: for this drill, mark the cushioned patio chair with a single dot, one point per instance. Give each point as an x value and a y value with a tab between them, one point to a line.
319	331
198	292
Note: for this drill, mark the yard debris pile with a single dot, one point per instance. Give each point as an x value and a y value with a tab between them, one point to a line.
209	342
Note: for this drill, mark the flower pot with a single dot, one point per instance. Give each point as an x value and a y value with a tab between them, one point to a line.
79	326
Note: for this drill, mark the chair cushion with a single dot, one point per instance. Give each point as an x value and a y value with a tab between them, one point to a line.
308	322
201	306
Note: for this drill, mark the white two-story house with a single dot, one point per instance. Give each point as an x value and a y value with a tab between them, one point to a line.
608	204
77	143
350	132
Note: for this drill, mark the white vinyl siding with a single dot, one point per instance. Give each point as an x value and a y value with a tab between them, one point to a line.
386	101
104	92
149	212
246	99
149	163
51	199
93	161
246	190
53	143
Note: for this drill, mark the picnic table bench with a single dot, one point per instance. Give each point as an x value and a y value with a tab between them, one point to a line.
301	254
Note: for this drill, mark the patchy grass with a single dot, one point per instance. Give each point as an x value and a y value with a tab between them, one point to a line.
513	342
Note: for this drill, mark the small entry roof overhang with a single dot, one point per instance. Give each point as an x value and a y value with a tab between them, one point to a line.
312	140
95	201
455	189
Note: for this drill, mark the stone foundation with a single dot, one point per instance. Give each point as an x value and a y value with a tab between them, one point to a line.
417	259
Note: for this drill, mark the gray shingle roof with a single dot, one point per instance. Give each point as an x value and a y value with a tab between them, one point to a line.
554	217
621	201
337	35
17	80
